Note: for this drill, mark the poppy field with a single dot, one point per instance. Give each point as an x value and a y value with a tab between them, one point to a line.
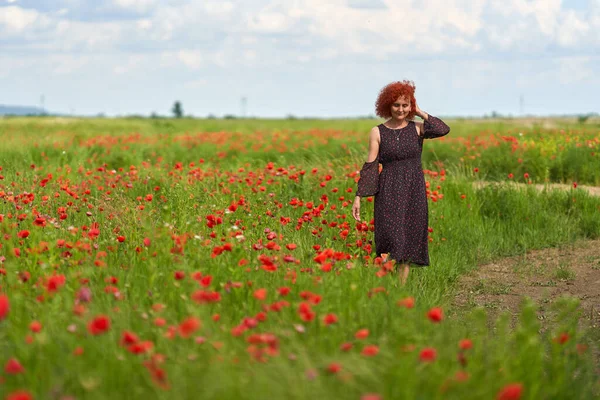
219	259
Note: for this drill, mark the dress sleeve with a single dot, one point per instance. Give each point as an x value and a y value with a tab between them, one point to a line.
368	183
434	127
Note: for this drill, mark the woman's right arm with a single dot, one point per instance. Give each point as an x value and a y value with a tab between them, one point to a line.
369	174
374	139
368	182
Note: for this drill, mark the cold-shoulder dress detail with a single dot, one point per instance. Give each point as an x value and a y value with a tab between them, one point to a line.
401	209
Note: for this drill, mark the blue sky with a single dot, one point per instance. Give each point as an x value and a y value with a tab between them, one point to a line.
324	58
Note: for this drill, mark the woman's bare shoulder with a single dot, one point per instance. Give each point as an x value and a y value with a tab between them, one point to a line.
419	126
374	132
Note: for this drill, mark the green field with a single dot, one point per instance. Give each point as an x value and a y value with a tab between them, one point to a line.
163	258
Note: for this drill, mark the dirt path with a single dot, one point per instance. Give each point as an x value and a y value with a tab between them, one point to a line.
593	190
542	275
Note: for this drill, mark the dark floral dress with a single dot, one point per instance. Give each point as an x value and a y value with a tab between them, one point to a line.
401	210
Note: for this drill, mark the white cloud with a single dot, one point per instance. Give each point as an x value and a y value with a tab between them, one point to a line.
572	30
15	20
269	22
274	32
575	69
191	58
218	7
136	5
195	84
132	62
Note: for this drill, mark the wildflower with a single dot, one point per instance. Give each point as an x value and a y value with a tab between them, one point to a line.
99	325
371	396
346	346
128	338
461	376
179	275
23	234
35	327
334	368
370	350
330	319
562	338
13	367
435	314
19	395
189	326
362	334
465	344
512	391
428	354
260	294
408	302
4	306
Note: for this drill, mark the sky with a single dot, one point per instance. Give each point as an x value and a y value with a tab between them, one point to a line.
320	58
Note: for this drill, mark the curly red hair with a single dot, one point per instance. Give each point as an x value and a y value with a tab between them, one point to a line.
390	93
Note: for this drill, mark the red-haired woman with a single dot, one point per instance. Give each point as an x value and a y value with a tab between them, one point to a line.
401	213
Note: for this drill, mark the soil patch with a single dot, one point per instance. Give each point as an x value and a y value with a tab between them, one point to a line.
593	190
543	276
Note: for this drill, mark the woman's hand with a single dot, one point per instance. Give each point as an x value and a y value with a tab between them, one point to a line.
356	208
420	112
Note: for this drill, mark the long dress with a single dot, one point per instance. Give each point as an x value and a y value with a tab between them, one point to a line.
401	210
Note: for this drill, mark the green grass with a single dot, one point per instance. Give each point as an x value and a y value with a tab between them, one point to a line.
106	184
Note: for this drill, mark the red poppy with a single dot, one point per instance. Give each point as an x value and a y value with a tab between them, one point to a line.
465	344
370	350
284	291
512	391
260	294
4	306
562	338
435	314
362	334
408	302
371	396
35	326
330	319
179	275
54	283
346	346
128	338
189	326
428	354
99	325
13	367
23	234
334	368
19	395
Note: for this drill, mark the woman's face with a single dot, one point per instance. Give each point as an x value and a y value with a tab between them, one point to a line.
400	108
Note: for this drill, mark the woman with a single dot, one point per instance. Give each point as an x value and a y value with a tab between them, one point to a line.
401	214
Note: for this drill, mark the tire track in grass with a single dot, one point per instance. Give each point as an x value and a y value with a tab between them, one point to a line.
542	275
592	190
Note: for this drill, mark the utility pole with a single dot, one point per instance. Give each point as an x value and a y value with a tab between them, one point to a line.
521	105
243	105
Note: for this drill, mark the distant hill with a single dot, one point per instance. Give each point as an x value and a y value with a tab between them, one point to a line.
21	110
